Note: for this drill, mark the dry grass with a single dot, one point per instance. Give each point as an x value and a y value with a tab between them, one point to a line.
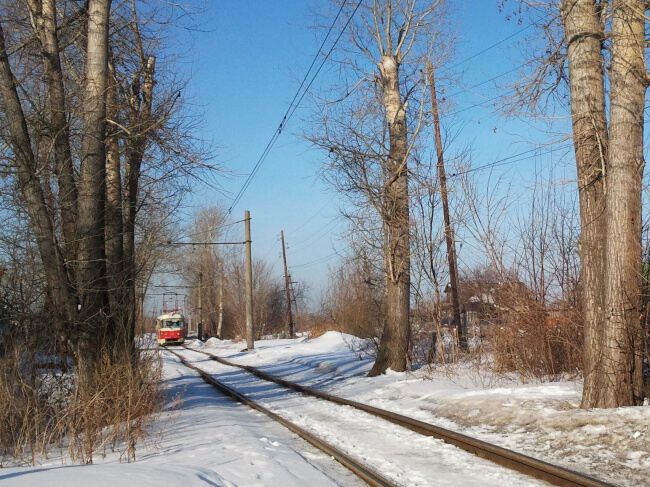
319	327
537	342
46	409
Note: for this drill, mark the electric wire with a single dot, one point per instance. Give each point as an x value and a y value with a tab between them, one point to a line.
210	229
300	94
320	260
489	48
511	159
295	102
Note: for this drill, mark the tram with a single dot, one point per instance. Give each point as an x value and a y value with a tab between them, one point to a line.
171	328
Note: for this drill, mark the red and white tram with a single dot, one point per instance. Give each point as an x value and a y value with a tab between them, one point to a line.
171	327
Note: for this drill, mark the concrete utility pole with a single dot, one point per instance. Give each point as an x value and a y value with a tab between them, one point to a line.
287	288
220	318
295	301
250	341
449	231
200	331
142	322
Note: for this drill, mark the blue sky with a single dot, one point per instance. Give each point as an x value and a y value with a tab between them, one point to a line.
244	67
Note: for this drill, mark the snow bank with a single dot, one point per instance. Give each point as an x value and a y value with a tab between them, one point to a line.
212	342
334	341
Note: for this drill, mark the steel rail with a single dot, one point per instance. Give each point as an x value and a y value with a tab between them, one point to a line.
513	460
365	473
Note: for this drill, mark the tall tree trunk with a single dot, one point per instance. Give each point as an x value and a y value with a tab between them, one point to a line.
44	14
59	289
139	125
622	352
92	184
113	214
393	347
584	34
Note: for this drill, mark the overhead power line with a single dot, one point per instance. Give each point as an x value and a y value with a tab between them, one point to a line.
320	260
488	48
493	78
522	156
297	98
169	242
205	231
310	218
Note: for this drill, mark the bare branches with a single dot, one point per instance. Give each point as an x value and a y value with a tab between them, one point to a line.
64	118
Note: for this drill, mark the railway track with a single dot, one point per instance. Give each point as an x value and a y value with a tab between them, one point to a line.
365	473
518	462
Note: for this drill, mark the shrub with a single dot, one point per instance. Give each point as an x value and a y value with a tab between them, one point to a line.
44	407
536	341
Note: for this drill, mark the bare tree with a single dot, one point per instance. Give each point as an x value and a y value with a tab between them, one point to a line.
583	25
33	195
609	162
207	261
355	296
214	275
622	337
268	296
371	141
92	144
91	275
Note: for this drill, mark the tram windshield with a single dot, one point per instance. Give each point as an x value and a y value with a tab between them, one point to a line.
172	323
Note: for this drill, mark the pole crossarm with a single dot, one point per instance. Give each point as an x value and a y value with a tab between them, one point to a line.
169	242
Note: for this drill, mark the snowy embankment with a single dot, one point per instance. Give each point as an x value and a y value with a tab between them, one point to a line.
205	439
540	419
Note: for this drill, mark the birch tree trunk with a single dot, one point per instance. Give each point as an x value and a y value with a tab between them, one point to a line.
92	290
584	34
393	347
622	337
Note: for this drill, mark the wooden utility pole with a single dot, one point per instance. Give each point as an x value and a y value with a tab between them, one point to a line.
287	288
250	341
449	231
220	318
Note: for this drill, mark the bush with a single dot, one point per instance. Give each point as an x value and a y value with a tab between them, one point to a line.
44	407
537	342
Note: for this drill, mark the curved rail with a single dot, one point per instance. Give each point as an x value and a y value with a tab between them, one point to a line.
368	475
519	462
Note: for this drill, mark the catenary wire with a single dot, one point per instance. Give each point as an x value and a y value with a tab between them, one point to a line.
294	104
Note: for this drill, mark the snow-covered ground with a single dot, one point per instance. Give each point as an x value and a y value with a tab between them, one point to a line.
205	439
540	419
403	456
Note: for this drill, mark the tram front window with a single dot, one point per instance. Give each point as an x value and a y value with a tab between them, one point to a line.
172	324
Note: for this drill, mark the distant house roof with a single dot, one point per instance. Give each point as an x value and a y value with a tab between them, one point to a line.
483	298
